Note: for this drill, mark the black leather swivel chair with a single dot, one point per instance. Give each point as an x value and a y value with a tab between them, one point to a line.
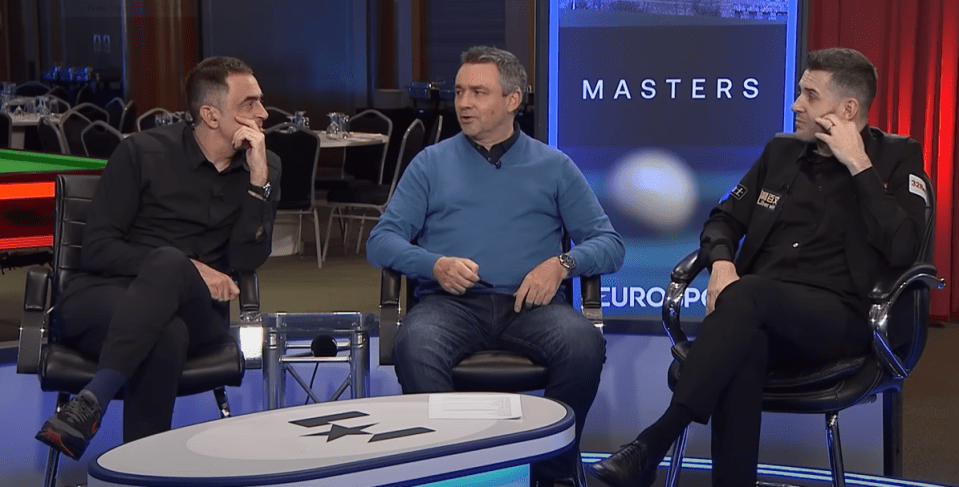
66	371
899	318
485	370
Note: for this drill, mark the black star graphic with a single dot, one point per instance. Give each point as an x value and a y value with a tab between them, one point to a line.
337	431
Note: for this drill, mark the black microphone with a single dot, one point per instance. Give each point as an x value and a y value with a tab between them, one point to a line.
498	164
323	346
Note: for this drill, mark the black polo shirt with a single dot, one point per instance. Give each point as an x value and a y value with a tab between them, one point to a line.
158	190
807	244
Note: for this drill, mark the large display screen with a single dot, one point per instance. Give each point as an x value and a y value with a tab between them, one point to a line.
664	105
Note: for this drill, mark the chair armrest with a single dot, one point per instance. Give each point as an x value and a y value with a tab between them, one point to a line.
390	284
34	322
250	333
682	275
592	301
889	287
249	285
884	295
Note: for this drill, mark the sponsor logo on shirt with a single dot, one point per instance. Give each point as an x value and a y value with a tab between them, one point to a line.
768	199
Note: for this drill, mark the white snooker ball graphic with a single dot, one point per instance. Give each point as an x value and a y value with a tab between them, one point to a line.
654	187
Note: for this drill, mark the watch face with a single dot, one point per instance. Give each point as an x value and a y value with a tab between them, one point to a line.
567	261
266	190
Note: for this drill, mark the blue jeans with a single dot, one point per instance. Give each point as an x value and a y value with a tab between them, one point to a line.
442	329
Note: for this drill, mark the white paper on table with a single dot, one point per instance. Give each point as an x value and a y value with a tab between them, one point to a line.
475	406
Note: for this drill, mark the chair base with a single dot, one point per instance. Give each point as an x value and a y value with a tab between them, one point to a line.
833	444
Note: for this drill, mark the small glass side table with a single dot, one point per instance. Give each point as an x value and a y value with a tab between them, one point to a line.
291	332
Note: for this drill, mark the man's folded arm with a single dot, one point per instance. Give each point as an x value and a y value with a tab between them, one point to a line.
106	249
389	245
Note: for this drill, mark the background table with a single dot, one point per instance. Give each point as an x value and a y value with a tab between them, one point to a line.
26	198
362	442
354	139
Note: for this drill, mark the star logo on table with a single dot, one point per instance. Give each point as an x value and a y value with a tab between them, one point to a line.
336	431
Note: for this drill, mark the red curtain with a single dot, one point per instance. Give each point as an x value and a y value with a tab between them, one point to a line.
915	47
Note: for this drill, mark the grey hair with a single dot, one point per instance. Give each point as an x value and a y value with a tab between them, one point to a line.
512	74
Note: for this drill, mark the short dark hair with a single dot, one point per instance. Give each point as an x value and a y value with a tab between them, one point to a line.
512	74
852	72
208	79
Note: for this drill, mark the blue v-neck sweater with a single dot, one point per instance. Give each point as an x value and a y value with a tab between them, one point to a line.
452	202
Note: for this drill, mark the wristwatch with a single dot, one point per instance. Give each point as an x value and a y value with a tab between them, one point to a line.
263	191
567	261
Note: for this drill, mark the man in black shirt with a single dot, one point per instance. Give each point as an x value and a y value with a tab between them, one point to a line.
824	212
176	209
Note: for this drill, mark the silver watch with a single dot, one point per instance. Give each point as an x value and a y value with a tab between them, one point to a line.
567	261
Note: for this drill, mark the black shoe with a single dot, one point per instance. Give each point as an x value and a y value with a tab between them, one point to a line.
632	466
71	429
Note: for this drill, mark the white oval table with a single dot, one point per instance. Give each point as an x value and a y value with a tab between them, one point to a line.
375	441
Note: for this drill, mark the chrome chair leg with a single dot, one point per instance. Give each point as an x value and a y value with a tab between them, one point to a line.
222	404
676	460
50	469
580	479
53	455
835	450
316	233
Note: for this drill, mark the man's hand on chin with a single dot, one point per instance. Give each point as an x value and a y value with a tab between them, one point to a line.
250	137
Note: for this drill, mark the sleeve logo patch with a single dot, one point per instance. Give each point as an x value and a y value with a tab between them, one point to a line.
918	187
738	192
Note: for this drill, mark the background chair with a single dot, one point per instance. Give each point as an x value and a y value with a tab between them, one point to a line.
115	108
299	150
358	201
148	120
275	117
6	130
72	124
899	318
485	370
367	162
436	131
92	112
128	121
65	371
51	139
57	105
83	96
31	88
60	93
100	140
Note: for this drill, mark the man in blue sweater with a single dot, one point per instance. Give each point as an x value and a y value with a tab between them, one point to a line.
487	209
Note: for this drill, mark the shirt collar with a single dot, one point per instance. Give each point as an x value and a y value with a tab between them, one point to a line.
195	155
497	150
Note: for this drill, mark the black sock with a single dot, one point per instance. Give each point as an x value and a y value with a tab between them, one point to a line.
660	436
105	384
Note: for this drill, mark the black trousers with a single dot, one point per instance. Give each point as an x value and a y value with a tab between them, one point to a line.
144	327
759	324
